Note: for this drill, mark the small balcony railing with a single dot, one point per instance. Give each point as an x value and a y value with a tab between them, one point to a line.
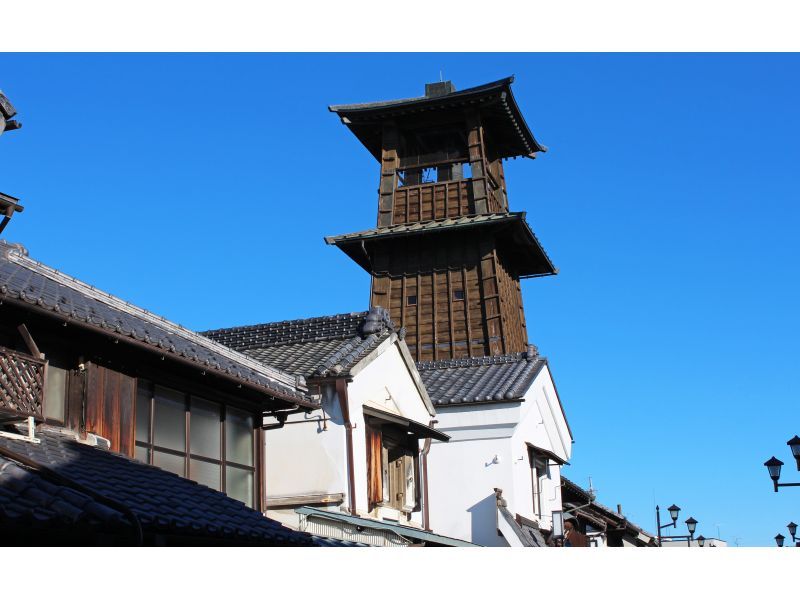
21	385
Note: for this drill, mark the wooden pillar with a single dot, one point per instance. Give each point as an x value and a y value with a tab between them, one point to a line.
389	164
477	162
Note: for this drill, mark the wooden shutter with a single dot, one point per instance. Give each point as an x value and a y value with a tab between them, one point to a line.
375	469
409	484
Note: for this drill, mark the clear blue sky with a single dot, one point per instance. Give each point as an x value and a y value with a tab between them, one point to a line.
200	187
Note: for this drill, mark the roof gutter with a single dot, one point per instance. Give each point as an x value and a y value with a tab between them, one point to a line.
341	391
426	511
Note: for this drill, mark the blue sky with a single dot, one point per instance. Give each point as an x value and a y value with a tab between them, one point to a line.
200	187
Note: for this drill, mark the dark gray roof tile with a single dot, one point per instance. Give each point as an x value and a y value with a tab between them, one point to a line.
169	502
29	282
480	379
312	347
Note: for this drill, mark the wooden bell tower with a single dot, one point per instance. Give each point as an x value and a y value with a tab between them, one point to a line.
447	255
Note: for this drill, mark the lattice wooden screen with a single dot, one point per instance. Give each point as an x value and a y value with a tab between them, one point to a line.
21	384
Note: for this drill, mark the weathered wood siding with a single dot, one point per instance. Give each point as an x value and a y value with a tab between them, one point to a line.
488	320
110	409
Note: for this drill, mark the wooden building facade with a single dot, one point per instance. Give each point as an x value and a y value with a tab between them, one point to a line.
75	358
447	255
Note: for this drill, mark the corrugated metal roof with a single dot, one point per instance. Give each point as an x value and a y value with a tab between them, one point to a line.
373	524
420	227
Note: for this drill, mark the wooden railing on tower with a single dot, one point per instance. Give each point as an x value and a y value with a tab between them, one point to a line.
21	384
432	201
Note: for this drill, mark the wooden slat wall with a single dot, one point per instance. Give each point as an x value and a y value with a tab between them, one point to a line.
110	409
419	203
485	322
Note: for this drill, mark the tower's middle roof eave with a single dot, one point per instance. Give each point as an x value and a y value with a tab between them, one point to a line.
531	258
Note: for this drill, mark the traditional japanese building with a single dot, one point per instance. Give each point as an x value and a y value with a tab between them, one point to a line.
447	255
446	259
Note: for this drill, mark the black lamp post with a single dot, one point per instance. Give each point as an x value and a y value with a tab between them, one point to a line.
792	527
701	541
674	511
774	465
794	444
779	540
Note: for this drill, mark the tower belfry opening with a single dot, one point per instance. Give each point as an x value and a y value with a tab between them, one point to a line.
447	255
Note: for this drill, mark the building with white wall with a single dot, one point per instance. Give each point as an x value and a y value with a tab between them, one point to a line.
509	438
356	468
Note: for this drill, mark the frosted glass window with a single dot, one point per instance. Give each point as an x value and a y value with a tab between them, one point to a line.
170	419
142	413
205	432
169	462
208	474
239	437
142	454
239	485
55	393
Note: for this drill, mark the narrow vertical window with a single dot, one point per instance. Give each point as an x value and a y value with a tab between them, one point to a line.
55	393
239	470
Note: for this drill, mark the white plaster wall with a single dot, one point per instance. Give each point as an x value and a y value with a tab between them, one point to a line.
303	457
542	424
463	472
386	384
462	475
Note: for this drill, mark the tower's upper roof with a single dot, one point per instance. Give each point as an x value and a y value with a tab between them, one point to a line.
495	102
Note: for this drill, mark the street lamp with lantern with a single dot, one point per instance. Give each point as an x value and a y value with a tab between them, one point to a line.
674	511
774	465
779	540
701	541
792	527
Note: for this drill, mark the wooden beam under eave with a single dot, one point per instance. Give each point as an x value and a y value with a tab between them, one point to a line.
29	342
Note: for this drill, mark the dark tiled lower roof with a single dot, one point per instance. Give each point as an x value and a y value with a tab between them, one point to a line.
162	502
313	347
480	379
31	283
574	495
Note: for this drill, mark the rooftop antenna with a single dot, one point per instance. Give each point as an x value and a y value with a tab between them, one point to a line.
441	77
592	492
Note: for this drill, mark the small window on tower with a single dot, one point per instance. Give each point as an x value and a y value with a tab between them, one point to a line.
412	300
458	295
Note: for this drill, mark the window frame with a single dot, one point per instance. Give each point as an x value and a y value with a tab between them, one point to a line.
224	462
404	447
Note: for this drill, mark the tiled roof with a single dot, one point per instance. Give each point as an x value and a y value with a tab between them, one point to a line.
162	502
575	495
480	379
31	283
323	346
495	100
514	235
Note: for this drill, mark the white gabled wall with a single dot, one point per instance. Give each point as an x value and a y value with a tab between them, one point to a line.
386	384
543	425
304	458
463	473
